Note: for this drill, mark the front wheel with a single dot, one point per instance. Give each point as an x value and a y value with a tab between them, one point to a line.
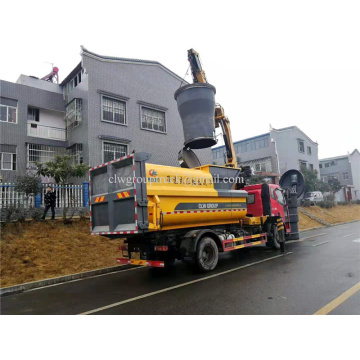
277	238
207	254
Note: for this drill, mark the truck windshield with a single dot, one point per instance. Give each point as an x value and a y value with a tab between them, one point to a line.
280	197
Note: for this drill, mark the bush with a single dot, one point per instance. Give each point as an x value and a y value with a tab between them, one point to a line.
8	213
343	203
306	203
36	213
326	204
21	214
83	213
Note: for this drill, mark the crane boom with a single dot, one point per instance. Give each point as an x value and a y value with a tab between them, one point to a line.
198	75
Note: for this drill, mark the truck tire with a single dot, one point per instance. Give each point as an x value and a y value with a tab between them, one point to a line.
277	238
207	254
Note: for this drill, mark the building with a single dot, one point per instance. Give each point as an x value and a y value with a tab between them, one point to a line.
275	152
104	109
346	169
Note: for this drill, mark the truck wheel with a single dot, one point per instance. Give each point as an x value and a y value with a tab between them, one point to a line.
277	238
207	254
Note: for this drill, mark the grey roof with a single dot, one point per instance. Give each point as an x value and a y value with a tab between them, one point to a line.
136	61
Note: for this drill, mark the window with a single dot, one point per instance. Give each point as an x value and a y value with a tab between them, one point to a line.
73	113
74	82
280	197
112	151
309	150
33	114
153	120
7	161
320	166
311	166
346	176
301	146
113	110
8	110
327	165
251	199
302	164
42	154
76	152
272	192
333	163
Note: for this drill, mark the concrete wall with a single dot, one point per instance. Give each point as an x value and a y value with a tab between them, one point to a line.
137	84
355	171
253	154
339	168
16	134
287	143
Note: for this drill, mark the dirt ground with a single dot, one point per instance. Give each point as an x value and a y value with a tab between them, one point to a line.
34	251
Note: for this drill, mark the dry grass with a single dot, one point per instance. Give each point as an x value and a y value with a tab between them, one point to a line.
336	214
306	223
34	251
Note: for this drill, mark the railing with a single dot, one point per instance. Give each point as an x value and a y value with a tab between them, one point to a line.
75	196
47	132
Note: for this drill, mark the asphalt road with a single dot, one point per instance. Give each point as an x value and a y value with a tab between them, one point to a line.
321	273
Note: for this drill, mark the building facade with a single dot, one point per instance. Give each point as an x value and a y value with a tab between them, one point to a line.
274	152
105	108
346	169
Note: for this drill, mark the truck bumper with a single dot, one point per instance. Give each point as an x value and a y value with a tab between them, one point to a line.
153	263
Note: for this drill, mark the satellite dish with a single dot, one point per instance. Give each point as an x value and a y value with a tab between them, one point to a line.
293	180
188	159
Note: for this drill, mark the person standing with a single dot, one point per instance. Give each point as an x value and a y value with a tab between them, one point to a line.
50	202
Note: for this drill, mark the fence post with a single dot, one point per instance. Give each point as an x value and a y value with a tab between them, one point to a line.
38	200
85	194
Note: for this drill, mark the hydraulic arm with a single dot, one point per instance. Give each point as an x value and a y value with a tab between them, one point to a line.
198	75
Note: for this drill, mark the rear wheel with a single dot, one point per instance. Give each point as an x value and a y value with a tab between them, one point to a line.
207	254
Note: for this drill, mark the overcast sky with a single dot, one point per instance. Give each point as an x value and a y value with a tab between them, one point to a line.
275	62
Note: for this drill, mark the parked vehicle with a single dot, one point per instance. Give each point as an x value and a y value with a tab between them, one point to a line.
313	197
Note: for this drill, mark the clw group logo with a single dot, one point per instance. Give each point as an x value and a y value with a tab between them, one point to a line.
152	172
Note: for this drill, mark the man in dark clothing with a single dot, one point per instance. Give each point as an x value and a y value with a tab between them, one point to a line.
50	202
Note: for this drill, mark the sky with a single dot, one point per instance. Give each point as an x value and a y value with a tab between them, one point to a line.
282	63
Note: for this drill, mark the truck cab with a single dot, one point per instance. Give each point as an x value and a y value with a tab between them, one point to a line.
267	199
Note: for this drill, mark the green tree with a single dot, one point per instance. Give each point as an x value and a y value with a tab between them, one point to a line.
62	170
312	183
256	179
28	184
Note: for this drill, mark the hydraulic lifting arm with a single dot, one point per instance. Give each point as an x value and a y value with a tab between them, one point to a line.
221	120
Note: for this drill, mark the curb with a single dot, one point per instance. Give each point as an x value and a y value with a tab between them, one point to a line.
16	289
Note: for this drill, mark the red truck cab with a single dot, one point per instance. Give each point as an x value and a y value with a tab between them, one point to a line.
267	199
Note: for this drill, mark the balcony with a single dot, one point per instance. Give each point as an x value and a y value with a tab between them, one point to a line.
46	132
73	115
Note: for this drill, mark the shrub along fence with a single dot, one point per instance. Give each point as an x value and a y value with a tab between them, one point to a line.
76	196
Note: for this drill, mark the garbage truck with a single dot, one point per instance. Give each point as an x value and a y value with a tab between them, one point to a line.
192	212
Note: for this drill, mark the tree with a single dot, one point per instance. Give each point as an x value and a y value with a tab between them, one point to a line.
257	179
62	169
28	184
312	183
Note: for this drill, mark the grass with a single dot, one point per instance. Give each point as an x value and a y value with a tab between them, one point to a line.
306	223
336	214
39	250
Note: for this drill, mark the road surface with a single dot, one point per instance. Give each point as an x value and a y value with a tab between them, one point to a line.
320	274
